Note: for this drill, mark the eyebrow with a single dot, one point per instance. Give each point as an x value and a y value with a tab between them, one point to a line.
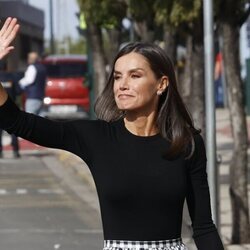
131	70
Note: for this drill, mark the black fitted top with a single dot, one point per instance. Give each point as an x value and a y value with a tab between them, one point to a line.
141	193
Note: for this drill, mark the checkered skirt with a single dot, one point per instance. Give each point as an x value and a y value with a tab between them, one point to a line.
173	244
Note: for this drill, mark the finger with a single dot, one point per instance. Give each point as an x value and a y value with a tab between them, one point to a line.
9	29
6	24
11	36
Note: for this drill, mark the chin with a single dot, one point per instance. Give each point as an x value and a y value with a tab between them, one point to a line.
125	107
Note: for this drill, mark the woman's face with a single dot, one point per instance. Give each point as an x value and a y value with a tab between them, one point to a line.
135	84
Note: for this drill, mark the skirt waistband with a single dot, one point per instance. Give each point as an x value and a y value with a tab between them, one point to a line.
147	244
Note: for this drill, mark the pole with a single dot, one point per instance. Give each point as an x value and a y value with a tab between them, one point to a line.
210	108
52	45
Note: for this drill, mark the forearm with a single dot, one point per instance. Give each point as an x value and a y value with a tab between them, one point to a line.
30	127
3	95
198	199
42	131
209	241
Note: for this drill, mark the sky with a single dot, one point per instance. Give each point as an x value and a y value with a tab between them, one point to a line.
65	20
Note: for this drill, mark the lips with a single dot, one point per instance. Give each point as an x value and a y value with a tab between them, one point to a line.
124	96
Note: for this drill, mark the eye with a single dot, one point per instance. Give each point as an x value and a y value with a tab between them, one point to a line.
116	77
135	76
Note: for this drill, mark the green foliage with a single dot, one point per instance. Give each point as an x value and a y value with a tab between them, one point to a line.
74	46
185	11
105	13
109	13
176	12
163	11
78	47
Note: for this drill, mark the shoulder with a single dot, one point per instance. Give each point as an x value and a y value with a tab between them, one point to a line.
86	123
198	143
89	127
31	69
197	147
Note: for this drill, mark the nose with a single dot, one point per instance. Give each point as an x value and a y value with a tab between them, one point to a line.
123	84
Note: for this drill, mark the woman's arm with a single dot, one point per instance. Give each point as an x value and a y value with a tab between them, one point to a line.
205	234
7	35
67	135
63	135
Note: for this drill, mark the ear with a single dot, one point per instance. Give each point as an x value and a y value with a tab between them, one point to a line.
163	84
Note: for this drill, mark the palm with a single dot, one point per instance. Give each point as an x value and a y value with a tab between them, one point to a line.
7	35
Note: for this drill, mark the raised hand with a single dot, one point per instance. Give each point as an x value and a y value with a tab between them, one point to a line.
7	35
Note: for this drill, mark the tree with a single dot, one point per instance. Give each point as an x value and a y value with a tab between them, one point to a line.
99	15
183	19
143	16
231	15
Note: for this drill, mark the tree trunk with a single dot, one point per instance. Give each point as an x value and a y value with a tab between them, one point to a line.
98	55
142	30
192	82
114	41
197	103
185	77
238	167
170	42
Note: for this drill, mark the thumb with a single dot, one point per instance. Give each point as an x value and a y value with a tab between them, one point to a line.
5	52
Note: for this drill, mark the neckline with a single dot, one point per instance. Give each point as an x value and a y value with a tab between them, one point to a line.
137	137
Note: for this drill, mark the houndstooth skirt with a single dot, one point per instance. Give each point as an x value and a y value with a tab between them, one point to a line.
173	244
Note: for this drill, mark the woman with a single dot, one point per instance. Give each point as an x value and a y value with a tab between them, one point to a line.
144	153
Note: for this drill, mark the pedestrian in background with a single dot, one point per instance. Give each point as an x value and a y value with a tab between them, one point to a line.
9	83
144	153
33	84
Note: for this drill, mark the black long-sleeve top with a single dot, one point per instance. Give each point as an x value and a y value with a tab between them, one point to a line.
141	193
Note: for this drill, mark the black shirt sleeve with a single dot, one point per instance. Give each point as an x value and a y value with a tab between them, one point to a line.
205	234
42	131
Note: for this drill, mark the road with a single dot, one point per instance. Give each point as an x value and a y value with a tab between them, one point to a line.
38	211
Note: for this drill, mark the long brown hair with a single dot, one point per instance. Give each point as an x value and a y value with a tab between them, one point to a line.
173	120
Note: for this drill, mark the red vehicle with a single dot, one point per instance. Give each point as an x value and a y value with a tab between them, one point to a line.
66	93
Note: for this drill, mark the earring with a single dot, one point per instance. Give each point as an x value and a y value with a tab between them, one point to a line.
159	92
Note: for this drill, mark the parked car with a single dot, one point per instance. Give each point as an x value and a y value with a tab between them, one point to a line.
67	92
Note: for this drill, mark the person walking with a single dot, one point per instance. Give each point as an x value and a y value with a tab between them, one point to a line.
144	153
33	84
7	80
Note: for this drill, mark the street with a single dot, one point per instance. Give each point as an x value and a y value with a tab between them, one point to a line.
38	211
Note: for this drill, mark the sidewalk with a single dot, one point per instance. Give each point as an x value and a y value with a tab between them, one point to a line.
224	149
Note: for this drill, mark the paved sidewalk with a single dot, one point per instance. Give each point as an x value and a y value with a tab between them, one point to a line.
224	149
